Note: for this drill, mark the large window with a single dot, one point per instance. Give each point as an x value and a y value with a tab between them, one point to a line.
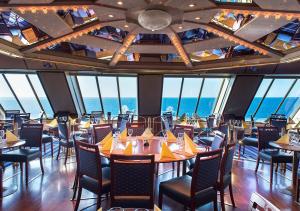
203	96
170	95
24	92
128	93
275	96
111	92
89	92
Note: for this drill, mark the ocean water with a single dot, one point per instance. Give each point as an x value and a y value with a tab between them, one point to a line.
187	105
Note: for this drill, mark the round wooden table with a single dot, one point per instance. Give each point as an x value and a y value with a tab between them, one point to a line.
295	148
154	147
6	191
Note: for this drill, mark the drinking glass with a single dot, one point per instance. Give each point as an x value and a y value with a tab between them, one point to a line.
180	140
130	132
141	209
2	134
117	133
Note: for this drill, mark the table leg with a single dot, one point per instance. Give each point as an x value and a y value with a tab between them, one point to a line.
295	169
183	167
178	168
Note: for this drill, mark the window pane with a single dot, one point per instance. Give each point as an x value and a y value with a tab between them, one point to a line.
128	93
292	102
273	99
209	95
171	91
89	92
22	89
7	99
258	97
109	94
41	94
189	97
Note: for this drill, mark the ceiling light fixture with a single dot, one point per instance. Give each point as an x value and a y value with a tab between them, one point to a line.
126	26
111	16
154	19
120	3
191	5
180	27
197	18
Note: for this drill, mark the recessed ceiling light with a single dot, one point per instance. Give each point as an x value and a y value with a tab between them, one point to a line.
179	27
111	16
191	5
120	3
197	18
126	26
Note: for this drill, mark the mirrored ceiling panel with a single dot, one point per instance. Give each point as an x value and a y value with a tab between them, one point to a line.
208	55
195	35
285	38
77	17
110	33
17	30
231	21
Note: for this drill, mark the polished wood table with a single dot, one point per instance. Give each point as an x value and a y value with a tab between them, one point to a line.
6	191
295	148
154	147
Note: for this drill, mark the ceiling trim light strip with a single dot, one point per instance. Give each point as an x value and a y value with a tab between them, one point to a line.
263	13
179	47
236	40
65	38
128	40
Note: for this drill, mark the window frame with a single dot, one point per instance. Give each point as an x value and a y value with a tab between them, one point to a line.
200	91
3	73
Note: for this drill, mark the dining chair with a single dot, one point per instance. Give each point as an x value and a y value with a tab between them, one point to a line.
132	181
90	174
100	131
188	129
225	177
217	143
266	152
32	134
298	187
198	189
138	128
65	142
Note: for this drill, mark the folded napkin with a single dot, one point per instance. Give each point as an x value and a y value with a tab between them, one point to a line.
86	124
72	121
201	124
10	137
147	134
106	138
128	150
285	139
53	123
189	146
108	145
100	209
123	135
170	136
245	125
156	208
166	152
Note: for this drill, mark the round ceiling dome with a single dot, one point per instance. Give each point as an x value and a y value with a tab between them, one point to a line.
154	19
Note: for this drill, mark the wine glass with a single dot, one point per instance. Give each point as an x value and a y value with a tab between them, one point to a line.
180	140
130	132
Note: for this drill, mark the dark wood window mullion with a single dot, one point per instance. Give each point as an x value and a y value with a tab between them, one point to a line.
80	95
119	97
199	96
99	93
258	107
218	98
180	94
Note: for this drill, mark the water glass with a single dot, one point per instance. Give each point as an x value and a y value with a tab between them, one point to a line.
2	134
180	140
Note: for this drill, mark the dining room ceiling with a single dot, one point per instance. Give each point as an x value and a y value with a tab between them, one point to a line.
152	34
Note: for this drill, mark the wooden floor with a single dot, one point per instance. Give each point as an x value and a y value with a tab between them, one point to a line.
53	190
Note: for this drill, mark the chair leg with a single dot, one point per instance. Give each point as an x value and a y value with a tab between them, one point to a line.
26	172
244	150
193	206
44	148
298	190
157	168
239	156
160	199
271	173
41	163
51	148
99	201
75	186
222	199
277	165
78	198
257	164
67	154
216	203
58	152
21	167
231	194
